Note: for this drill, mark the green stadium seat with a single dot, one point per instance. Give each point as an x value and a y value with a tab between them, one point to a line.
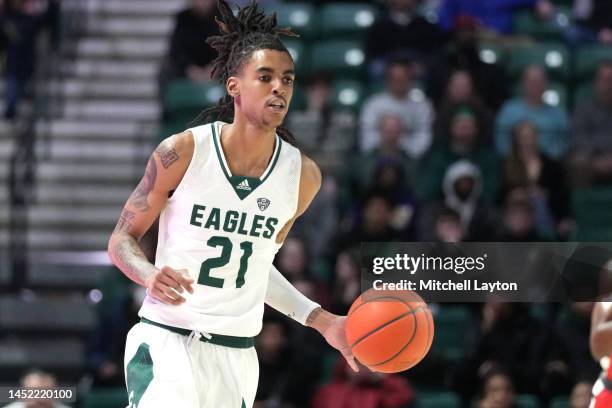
553	56
560	402
526	401
587	59
526	22
106	398
556	94
592	213
346	20
437	400
583	92
348	94
346	59
186	96
299	16
449	338
297	49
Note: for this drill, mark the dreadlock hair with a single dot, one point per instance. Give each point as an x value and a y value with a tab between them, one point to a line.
241	35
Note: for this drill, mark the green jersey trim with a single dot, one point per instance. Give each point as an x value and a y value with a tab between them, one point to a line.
243	186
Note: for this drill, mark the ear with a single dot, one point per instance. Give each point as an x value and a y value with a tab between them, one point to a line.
233	86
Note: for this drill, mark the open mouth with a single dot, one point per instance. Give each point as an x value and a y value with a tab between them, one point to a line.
277	106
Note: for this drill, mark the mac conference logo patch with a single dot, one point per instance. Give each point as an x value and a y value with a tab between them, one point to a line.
263	203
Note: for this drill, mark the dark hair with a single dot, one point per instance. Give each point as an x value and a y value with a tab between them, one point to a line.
241	35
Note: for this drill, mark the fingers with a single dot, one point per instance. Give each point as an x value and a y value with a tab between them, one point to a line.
180	277
166	294
169	283
350	358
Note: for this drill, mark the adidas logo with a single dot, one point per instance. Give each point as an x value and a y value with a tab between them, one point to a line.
244	185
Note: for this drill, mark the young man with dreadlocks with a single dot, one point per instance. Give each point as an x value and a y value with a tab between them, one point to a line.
226	194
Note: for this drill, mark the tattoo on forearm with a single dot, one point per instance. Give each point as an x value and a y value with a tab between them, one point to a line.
140	195
167	155
125	221
130	259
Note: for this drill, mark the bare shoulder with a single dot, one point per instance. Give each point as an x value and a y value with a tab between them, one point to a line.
172	157
175	148
311	174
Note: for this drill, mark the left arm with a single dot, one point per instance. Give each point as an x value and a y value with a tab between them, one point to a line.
285	298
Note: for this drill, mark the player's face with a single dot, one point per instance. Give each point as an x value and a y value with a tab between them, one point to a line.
265	87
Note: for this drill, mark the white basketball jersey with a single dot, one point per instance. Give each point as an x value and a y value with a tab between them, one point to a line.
222	228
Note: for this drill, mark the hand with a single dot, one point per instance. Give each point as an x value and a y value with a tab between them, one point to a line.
332	328
168	283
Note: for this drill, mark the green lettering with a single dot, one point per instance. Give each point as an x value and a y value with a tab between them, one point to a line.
213	219
241	229
257	224
197	214
271	224
231	221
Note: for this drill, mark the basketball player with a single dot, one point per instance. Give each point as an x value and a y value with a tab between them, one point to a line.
601	349
226	194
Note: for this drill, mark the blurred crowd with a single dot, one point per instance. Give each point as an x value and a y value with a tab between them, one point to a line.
446	148
21	23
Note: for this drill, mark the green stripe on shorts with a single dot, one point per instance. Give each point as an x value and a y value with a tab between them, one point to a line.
139	374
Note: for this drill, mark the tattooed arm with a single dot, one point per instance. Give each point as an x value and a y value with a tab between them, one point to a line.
165	169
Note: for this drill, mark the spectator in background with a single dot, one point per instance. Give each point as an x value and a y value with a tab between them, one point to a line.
323	130
464	144
495	16
347	282
359	175
372	223
417	113
189	55
501	341
41	380
593	22
363	389
447	226
519	219
462	195
463	54
591	157
400	29
541	177
21	23
319	225
460	92
551	121
497	390
280	383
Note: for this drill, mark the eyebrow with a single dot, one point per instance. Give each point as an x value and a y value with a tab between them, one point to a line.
270	70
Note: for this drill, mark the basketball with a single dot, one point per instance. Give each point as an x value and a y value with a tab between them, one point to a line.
389	331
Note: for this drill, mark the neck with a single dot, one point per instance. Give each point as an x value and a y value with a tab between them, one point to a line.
247	146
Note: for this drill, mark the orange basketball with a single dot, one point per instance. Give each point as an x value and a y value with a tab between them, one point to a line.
389	331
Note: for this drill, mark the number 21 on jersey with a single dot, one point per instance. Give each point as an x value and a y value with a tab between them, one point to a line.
206	279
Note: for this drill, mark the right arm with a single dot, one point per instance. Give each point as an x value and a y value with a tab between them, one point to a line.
165	169
601	330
